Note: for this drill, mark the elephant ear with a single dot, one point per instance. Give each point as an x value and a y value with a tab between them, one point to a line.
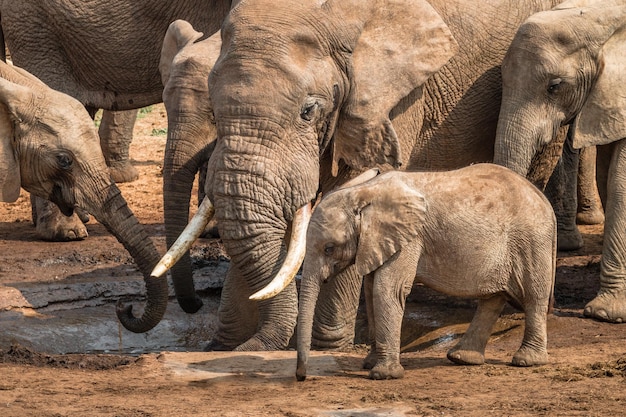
402	43
179	34
11	95
602	119
392	215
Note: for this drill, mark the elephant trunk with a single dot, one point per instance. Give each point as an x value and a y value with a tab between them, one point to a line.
120	221
309	292
186	150
293	259
514	146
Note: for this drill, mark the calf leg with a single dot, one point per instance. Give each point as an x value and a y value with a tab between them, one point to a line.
470	350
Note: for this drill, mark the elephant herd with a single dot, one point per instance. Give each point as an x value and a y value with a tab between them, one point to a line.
283	102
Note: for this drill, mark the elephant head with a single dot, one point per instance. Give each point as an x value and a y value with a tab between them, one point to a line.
563	67
49	146
356	226
302	91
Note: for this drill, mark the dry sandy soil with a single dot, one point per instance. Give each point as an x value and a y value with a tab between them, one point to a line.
586	375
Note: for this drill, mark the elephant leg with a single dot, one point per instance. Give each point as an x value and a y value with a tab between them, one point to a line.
238	317
116	135
52	225
391	285
368	286
610	302
253	326
589	205
336	311
470	350
561	191
534	350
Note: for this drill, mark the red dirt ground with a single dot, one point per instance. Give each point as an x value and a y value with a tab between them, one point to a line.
586	376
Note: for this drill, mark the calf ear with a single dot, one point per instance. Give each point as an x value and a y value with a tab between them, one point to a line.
9	168
602	119
394	217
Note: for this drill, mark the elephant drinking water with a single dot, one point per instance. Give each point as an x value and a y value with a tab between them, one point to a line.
306	95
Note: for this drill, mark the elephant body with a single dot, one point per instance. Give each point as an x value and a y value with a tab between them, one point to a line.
105	54
49	146
566	67
481	231
305	96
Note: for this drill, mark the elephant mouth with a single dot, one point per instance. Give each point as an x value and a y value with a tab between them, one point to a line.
65	202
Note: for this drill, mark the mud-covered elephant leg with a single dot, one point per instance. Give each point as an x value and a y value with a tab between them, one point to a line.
590	209
116	135
236	313
561	191
470	350
53	225
336	311
610	302
368	288
271	321
388	303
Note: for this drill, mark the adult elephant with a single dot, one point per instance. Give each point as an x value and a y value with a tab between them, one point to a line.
305	96
105	54
566	66
49	146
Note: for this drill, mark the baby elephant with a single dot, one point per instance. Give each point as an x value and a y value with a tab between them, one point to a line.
481	232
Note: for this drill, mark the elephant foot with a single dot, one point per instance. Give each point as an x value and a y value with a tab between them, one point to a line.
569	240
256	343
590	216
387	370
190	305
59	228
123	171
607	306
466	357
526	356
82	215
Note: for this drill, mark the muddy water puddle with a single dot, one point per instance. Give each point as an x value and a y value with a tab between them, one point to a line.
430	320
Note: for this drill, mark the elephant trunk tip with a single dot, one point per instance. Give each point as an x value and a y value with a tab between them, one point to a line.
130	322
190	305
301	367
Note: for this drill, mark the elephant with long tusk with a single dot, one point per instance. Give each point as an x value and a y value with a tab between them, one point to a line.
293	259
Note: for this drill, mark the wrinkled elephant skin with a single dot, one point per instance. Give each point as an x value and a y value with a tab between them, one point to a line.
105	54
458	232
566	66
297	110
49	146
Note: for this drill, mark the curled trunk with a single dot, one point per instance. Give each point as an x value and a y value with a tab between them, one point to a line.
119	220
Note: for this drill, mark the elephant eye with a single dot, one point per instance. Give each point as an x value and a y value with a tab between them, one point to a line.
329	249
554	85
308	112
64	161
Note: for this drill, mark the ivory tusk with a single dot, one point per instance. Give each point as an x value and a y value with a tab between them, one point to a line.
187	237
294	258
